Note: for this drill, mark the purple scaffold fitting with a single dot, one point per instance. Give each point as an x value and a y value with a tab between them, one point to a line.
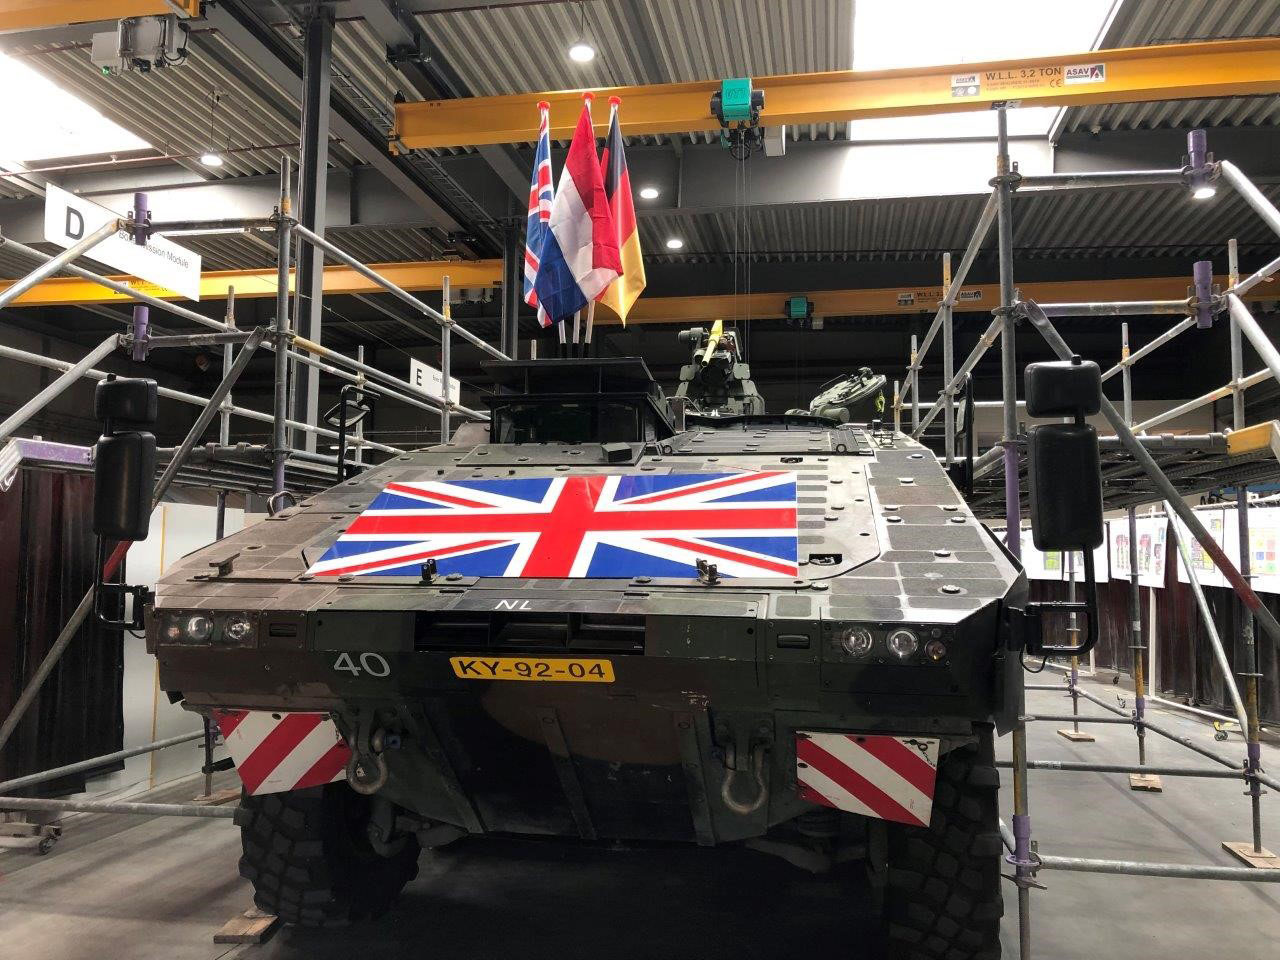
1021	856
1253	750
1139	707
141	313
1202	283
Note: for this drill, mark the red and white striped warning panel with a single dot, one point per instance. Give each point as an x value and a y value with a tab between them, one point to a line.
275	752
890	778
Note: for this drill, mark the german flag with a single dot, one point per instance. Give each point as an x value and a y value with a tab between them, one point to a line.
622	293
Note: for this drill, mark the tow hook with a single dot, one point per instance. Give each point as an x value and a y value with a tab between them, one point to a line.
367	768
731	771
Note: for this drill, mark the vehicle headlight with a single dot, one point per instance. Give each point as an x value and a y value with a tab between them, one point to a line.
238	629
902	643
856	641
936	649
195	628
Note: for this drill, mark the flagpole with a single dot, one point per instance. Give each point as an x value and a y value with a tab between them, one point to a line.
577	331
591	321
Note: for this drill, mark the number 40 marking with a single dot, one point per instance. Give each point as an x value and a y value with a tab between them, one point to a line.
374	664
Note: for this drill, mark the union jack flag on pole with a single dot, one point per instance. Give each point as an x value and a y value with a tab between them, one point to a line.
540	195
590	526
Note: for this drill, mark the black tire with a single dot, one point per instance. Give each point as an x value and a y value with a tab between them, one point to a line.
310	862
942	897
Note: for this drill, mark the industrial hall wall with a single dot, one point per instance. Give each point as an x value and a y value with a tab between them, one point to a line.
46	566
1184	661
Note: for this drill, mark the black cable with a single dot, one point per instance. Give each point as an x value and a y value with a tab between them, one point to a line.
1040	669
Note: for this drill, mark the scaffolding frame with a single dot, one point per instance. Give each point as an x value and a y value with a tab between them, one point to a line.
1200	174
138	342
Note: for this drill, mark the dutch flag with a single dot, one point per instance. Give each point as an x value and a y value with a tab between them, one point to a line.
579	257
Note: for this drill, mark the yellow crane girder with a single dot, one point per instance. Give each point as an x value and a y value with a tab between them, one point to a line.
18	15
421	276
1225	68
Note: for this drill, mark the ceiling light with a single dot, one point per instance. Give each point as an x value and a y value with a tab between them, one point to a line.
211	159
648	193
582	51
674	243
1204	192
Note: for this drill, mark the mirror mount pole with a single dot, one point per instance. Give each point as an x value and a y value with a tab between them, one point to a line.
105	565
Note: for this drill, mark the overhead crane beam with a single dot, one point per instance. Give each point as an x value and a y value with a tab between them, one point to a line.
428	275
17	15
1224	68
338	279
888	301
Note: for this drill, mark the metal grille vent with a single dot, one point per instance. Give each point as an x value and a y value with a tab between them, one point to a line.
532	632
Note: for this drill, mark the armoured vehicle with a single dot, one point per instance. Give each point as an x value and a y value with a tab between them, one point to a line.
578	621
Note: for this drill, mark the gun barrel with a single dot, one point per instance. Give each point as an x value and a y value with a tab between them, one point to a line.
713	341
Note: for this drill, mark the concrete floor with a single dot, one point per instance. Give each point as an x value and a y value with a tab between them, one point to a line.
158	889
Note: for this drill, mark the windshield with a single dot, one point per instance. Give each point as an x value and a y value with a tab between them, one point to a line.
603	421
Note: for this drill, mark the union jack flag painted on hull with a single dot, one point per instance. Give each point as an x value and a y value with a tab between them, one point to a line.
597	526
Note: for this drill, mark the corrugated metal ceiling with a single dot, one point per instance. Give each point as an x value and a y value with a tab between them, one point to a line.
1067	225
170	108
643	41
646	41
1141	23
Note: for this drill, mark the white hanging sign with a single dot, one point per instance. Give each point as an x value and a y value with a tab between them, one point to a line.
68	219
430	381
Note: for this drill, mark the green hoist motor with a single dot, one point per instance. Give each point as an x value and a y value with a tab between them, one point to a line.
736	104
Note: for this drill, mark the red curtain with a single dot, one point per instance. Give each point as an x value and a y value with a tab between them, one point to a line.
46	565
1185	660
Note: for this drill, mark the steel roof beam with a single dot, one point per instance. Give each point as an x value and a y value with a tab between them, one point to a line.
416	55
281	66
1169	72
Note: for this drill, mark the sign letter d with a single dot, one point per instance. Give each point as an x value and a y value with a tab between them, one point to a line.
75	224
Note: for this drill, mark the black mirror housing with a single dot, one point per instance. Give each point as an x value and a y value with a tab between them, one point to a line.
1063	388
124	458
1065	487
126	402
124	474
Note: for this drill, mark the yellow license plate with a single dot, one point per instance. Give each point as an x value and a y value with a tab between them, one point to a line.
553	669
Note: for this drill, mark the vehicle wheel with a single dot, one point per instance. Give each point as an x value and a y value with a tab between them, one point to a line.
309	859
942	895
46	845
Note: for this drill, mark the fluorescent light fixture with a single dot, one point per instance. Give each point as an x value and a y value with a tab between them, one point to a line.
582	52
1204	192
46	122
674	243
211	159
648	193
